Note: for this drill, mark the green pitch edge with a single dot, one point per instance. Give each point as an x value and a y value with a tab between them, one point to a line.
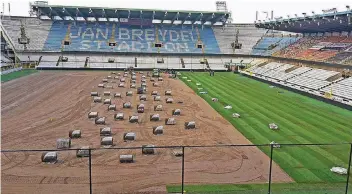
17	74
301	120
290	188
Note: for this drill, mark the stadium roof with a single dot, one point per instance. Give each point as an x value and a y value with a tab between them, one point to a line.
318	23
74	12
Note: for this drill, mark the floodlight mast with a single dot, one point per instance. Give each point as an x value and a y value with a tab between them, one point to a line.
221	6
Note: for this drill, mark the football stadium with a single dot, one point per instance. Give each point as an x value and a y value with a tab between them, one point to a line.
136	100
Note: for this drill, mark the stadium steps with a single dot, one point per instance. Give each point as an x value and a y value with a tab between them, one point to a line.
256	44
263	64
298	74
334	78
291	69
328	86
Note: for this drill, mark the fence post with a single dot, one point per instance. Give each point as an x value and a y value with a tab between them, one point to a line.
183	169
90	171
270	167
349	169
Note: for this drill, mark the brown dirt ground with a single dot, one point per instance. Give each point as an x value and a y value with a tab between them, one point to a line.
38	109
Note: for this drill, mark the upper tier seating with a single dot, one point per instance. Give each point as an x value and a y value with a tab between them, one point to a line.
334	49
341	57
268	45
95	37
36	30
47	35
248	36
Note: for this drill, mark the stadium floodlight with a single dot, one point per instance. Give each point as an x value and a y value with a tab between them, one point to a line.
348	8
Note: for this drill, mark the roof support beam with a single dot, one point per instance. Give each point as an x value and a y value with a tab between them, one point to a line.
69	14
91	12
56	14
216	20
79	14
185	19
208	18
117	16
175	17
103	15
162	21
200	16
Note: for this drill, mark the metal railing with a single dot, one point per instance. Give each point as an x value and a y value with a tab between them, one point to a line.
272	169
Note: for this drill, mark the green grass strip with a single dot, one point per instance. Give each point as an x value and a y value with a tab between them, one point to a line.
17	74
285	188
301	120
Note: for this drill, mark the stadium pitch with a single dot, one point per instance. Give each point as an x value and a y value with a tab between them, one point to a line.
301	120
48	104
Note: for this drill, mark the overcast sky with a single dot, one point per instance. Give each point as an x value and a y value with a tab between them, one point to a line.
243	11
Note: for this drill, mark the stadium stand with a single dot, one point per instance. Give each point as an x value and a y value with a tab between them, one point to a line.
48	36
308	82
248	36
341	89
268	45
94	37
320	74
343	58
315	81
37	30
6	48
320	48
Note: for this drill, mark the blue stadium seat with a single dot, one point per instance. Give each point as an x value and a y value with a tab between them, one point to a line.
95	37
268	45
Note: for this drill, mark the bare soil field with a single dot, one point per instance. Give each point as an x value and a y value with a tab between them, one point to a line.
40	108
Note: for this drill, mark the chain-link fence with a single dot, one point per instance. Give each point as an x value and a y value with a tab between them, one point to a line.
243	169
